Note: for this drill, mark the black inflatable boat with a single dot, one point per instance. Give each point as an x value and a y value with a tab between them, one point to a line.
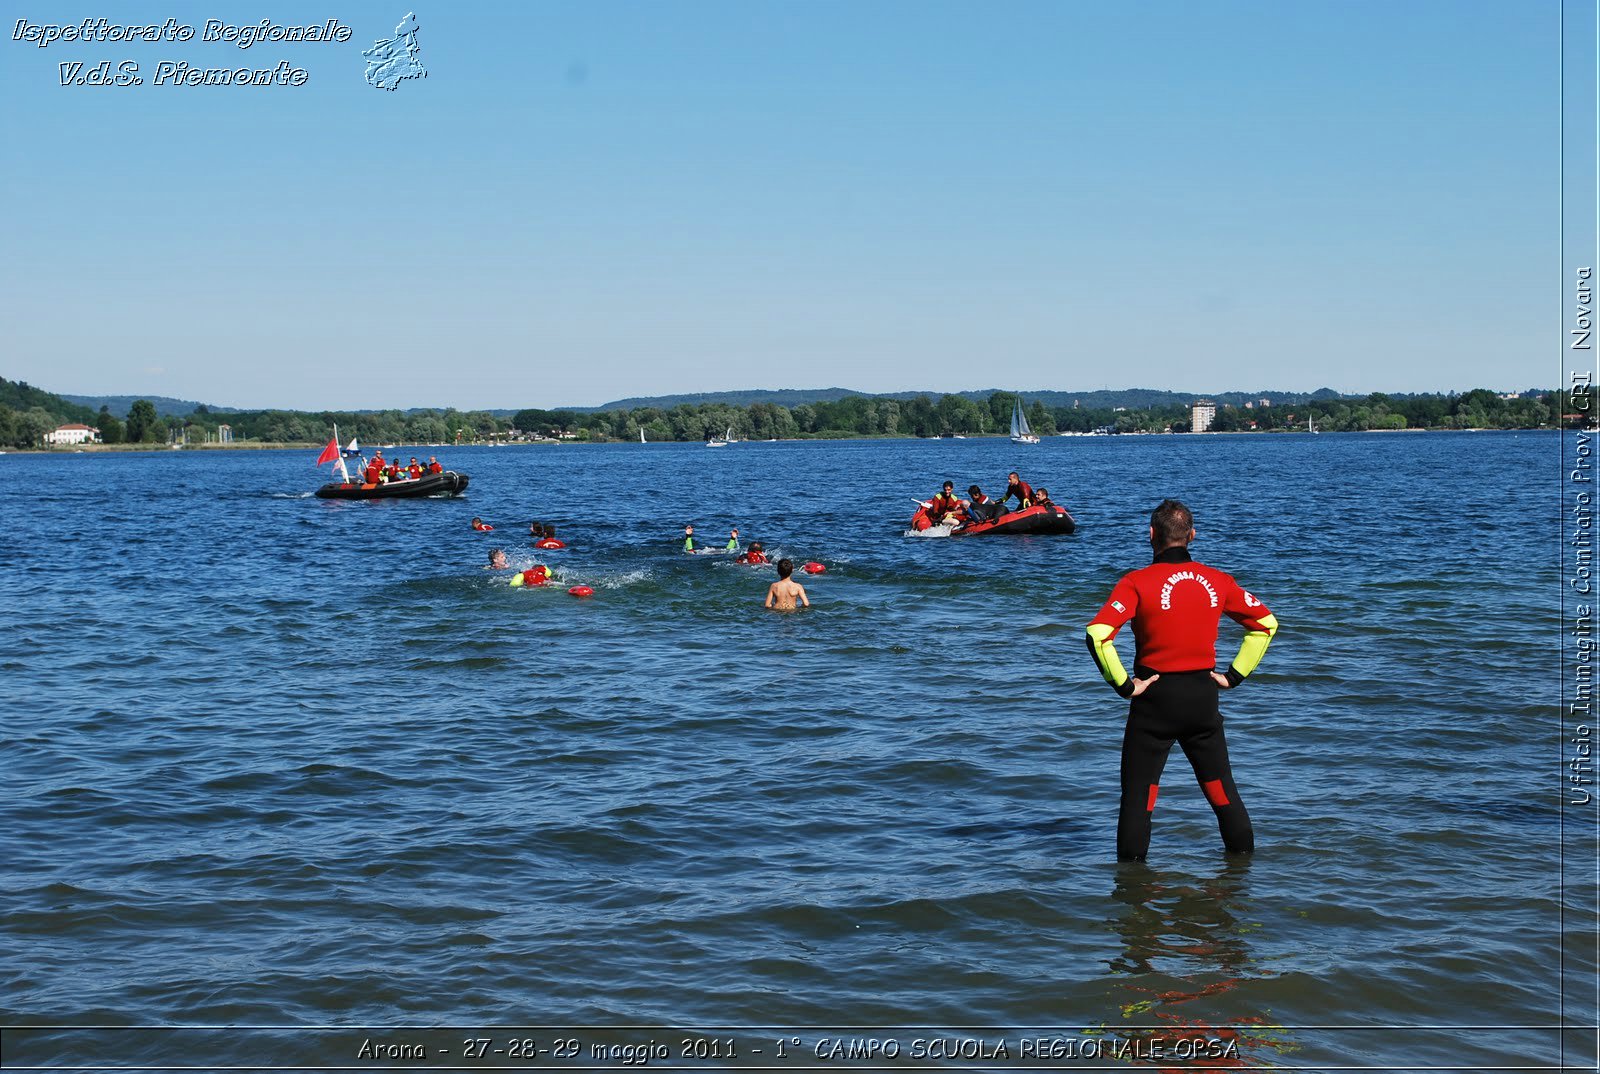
448	483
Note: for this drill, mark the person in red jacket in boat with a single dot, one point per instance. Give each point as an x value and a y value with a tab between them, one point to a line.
942	506
433	466
415	469
1021	490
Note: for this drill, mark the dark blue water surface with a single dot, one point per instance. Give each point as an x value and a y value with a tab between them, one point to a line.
275	760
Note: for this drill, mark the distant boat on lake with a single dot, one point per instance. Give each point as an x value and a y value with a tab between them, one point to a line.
1020	433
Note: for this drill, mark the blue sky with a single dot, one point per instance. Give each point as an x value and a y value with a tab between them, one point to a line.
588	201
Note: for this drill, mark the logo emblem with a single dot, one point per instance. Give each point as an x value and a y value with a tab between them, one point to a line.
391	61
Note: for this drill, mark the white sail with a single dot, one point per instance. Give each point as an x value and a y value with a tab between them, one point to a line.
1019	421
1020	433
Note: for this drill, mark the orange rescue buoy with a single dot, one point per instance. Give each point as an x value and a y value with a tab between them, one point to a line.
581	591
814	568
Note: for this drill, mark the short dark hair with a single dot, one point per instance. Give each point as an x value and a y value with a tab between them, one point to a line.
1172	522
949	484
973	490
785	568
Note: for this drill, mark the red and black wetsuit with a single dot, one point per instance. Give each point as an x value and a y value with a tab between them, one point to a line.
982	509
1022	491
1175	605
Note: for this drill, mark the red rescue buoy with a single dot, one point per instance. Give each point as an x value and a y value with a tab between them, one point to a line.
551	542
581	591
814	568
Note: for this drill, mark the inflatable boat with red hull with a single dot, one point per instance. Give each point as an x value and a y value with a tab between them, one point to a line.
1048	519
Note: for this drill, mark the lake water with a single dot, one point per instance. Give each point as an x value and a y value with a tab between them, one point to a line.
277	761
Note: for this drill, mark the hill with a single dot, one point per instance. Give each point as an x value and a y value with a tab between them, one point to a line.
1128	398
20	395
166	406
780	396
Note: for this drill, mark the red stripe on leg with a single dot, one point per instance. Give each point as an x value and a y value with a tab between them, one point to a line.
1214	792
1150	803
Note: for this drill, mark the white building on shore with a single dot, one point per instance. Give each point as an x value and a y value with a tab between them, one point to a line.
72	434
1201	415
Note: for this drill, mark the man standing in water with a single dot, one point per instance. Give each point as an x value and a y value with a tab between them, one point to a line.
1175	605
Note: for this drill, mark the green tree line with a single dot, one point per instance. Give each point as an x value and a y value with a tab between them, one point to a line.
26	414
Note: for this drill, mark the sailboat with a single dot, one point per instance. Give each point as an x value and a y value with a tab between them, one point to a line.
641	437
1311	425
1020	433
722	441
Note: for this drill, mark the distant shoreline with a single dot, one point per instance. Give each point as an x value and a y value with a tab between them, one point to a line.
157	449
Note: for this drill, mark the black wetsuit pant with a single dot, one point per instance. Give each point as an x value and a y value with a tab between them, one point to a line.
1178	707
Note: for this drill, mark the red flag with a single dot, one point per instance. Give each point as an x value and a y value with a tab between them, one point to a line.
329	453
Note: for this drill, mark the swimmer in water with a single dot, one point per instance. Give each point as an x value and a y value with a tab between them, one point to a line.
497	560
783	593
